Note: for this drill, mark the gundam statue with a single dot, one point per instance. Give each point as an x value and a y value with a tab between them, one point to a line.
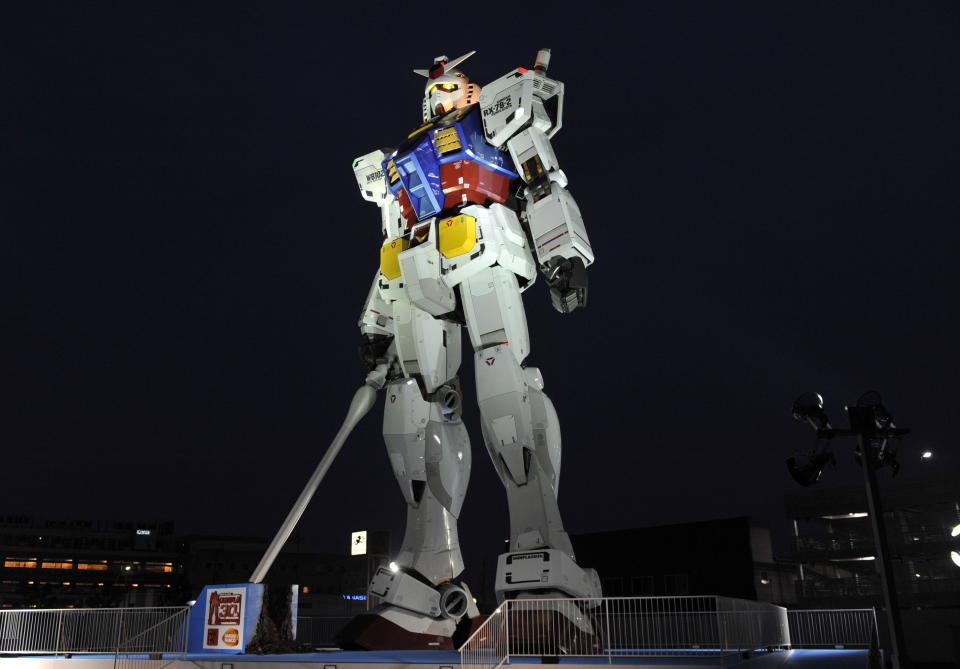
472	203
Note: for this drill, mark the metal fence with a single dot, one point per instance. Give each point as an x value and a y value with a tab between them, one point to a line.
123	633
626	627
152	634
319	631
833	628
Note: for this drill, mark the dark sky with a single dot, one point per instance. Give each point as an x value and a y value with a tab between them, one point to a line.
770	189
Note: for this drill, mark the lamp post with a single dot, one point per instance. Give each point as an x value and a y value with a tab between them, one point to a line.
872	425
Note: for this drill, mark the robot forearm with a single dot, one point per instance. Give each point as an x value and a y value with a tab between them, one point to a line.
552	214
553	219
377	315
376	327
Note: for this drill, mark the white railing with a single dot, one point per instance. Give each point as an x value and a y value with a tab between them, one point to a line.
625	627
94	631
152	634
833	628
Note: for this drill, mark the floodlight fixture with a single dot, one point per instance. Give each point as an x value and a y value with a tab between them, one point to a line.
806	469
808	408
881	415
926	455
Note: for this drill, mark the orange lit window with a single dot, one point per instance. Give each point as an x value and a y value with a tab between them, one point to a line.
56	565
18	563
162	567
91	566
306	589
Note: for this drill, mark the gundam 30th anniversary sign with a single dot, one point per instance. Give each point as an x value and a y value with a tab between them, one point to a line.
223	626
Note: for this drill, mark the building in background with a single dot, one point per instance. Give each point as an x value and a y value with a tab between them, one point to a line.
732	557
87	563
836	556
56	563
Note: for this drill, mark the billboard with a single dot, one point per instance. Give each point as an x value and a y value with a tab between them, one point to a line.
358	543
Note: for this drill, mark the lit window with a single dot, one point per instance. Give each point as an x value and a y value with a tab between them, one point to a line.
56	565
91	566
306	589
162	567
18	563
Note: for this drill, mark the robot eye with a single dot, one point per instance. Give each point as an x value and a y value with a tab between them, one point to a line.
446	88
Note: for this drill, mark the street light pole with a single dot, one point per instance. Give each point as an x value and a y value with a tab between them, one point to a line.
862	422
872	425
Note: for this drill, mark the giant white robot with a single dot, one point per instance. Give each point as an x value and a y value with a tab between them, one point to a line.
473	204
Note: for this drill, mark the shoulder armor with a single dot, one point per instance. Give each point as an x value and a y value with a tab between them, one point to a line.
369	172
519	99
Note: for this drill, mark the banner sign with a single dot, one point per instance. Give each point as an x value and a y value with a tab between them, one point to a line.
223	626
224	618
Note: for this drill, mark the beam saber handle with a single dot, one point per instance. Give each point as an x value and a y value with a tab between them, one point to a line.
363	399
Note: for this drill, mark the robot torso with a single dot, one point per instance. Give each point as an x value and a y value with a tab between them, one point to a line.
446	164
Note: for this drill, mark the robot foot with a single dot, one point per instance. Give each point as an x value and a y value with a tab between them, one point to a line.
545	570
413	616
553	597
392	628
542	625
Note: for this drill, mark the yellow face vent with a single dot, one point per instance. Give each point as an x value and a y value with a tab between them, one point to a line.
447	141
457	235
392	172
389	260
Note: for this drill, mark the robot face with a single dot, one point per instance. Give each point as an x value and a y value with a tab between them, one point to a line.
447	88
446	93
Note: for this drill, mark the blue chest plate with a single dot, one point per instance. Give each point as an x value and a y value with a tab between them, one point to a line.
416	167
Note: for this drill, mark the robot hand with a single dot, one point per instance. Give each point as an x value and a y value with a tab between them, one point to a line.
568	283
374	350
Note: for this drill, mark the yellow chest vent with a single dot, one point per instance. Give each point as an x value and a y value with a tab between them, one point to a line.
447	140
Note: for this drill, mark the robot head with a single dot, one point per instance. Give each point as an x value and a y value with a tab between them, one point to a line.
447	88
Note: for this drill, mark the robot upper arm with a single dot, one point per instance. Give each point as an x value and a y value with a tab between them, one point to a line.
523	110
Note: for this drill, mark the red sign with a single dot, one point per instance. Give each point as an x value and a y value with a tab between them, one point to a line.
225	608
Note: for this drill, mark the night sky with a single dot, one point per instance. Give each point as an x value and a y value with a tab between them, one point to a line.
770	190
